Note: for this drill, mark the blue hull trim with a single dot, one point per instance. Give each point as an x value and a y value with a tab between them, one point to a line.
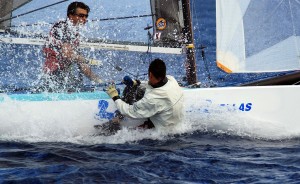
56	96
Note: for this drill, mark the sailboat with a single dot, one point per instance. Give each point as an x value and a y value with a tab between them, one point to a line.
251	37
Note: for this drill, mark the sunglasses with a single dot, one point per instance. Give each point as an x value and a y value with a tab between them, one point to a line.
82	15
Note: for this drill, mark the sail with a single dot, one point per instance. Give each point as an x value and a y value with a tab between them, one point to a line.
258	35
173	28
6	8
168	22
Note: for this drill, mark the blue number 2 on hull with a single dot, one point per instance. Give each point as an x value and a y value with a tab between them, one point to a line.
103	114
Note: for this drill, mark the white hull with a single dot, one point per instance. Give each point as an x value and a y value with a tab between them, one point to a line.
271	108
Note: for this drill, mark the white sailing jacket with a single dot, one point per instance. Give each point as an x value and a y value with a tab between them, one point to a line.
163	105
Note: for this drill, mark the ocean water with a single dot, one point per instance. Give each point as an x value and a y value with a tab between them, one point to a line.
197	157
56	151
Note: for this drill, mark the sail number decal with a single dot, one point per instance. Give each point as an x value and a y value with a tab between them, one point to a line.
161	24
241	107
245	107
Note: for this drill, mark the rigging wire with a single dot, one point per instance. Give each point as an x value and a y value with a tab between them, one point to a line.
118	68
26	13
202	47
147	56
126	17
94	20
148	53
149	44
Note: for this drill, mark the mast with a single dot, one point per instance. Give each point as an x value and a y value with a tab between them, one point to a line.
189	43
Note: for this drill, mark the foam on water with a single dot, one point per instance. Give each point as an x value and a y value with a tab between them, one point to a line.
239	124
76	126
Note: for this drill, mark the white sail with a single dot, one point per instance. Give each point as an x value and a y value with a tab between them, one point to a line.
258	35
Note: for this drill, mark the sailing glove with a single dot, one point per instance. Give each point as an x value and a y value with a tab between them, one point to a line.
129	82
112	92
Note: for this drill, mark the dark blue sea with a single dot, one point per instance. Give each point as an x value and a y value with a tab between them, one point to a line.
193	155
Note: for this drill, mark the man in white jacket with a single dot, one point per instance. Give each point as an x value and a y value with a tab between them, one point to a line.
162	103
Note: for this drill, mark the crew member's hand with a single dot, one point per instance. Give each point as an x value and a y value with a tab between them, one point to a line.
112	91
95	62
128	81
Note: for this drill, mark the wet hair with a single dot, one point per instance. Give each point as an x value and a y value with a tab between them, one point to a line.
74	5
158	69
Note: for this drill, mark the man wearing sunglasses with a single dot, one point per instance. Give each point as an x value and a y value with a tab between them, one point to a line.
64	66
